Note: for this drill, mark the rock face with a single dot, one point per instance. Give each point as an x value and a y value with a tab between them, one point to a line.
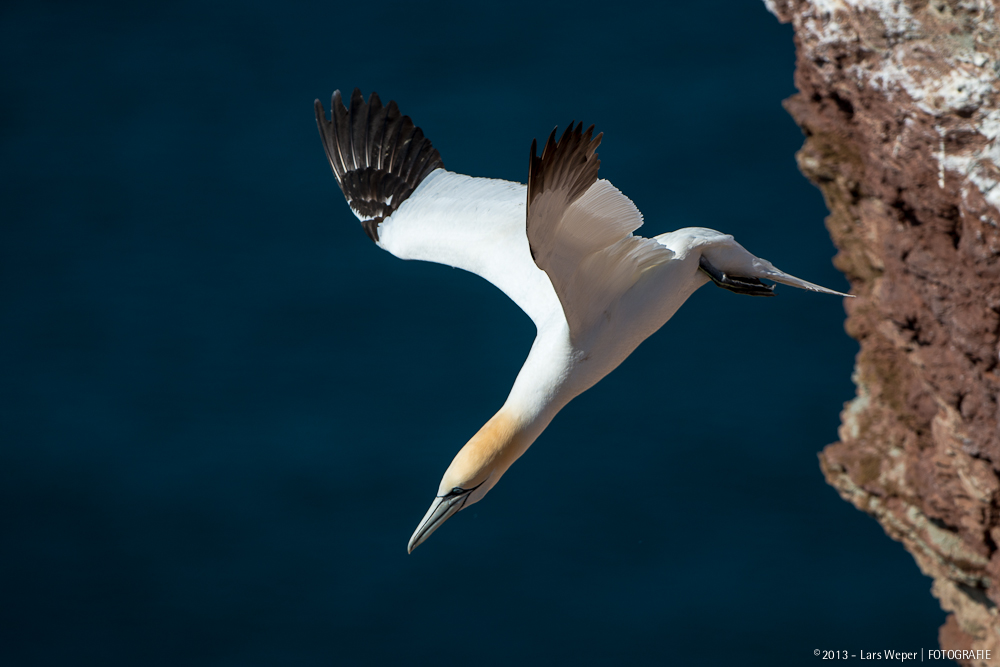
900	105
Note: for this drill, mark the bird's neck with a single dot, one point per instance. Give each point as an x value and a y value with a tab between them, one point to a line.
544	384
494	448
494	444
539	392
542	388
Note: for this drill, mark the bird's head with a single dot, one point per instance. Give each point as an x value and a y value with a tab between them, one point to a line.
473	472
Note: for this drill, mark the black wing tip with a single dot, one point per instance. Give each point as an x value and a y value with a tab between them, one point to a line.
570	162
377	154
569	131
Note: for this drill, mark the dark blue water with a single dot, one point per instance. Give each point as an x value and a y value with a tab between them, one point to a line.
225	410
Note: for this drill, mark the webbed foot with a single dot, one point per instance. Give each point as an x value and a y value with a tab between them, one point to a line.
738	284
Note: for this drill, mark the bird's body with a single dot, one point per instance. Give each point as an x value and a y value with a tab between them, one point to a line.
561	247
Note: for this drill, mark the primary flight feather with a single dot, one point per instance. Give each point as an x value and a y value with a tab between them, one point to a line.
562	248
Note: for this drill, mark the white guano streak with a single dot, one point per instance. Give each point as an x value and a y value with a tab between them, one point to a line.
969	83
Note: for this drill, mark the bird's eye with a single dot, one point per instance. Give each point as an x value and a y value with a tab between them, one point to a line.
457	491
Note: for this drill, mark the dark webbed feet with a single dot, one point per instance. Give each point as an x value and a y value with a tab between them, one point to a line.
737	284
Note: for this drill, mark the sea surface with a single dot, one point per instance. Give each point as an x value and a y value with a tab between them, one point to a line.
223	410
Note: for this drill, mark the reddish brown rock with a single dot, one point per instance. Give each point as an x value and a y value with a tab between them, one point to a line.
900	105
952	638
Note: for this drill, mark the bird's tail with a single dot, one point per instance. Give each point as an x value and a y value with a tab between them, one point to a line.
727	257
767	270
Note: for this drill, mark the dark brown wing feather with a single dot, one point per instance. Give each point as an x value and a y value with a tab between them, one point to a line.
569	165
377	154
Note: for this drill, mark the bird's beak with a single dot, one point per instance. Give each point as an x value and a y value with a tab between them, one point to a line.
441	509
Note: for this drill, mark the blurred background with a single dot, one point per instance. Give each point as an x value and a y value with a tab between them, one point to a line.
224	410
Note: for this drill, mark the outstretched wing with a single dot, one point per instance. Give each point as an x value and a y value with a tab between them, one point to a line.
580	229
395	182
377	154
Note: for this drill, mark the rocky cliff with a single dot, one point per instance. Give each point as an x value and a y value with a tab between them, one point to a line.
900	106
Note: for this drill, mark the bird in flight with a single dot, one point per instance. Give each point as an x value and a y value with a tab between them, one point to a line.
561	247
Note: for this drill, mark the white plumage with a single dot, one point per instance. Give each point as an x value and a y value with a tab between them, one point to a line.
476	224
561	247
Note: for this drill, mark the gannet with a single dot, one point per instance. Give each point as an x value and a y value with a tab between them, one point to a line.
561	247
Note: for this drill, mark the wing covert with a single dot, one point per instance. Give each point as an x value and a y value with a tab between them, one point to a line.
395	182
580	228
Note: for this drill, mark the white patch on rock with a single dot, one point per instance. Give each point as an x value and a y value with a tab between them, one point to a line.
941	161
969	83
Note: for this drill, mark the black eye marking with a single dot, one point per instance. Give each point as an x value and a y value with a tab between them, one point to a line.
458	491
